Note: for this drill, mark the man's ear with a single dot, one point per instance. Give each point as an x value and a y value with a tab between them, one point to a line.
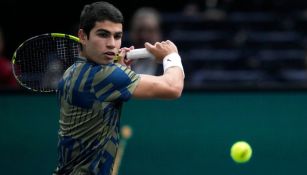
82	36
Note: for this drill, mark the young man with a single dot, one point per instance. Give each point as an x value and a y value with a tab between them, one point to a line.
93	89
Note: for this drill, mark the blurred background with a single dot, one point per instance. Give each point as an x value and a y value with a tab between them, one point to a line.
246	79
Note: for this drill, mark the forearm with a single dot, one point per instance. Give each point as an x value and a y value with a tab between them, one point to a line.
173	77
170	84
173	74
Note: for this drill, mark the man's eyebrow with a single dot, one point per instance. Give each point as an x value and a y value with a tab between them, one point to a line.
118	33
103	30
106	31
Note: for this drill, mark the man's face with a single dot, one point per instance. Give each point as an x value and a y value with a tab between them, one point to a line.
103	42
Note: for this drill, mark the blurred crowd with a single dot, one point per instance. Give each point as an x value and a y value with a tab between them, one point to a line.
223	43
7	79
236	43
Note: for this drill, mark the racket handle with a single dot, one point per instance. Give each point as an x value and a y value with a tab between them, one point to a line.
139	53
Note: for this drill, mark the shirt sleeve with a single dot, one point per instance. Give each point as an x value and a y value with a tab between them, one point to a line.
115	83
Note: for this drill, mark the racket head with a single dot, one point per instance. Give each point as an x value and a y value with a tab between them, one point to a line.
39	62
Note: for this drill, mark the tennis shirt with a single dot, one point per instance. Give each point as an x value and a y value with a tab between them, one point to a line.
90	98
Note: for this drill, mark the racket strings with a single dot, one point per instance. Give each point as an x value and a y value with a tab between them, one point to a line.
41	62
67	51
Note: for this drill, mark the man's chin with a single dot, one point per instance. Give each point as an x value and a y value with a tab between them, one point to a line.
109	57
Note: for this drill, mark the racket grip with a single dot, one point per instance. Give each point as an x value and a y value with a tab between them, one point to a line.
139	53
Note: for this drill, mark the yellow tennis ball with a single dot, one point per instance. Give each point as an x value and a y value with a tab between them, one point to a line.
241	152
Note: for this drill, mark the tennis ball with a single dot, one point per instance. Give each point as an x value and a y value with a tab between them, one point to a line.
241	152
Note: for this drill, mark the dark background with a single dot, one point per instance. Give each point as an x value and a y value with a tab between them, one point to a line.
23	19
261	44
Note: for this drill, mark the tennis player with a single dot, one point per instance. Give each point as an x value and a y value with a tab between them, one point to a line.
94	88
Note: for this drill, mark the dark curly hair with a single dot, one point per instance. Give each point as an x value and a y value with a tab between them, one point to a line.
99	11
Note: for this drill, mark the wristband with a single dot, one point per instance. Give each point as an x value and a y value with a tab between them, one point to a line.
172	60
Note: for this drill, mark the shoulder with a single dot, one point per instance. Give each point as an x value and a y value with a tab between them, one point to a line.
116	74
116	70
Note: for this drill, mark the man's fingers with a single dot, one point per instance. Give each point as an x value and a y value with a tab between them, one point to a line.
148	45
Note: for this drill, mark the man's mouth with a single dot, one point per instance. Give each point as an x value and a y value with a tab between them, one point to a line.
109	55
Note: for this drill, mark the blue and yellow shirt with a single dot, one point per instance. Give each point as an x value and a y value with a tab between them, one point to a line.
90	98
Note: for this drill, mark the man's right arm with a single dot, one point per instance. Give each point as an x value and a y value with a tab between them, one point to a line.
170	84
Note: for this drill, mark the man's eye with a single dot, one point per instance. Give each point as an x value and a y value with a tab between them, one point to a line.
118	36
104	35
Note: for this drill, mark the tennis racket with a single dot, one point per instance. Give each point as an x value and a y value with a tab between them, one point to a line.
40	61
